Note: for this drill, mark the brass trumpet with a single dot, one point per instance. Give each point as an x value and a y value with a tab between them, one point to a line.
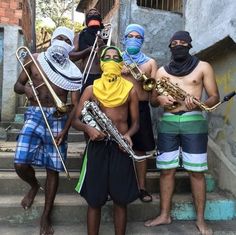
165	87
21	53
105	33
148	83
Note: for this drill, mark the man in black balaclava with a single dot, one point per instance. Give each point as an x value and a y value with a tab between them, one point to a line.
182	62
83	44
182	130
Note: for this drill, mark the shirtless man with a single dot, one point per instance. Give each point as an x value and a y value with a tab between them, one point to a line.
143	140
107	169
35	146
83	43
183	126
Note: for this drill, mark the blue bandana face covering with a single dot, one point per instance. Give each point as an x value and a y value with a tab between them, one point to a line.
133	45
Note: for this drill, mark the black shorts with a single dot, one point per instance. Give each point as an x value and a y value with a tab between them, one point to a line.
143	140
109	171
90	79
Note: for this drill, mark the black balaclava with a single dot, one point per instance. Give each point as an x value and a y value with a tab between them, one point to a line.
88	35
182	62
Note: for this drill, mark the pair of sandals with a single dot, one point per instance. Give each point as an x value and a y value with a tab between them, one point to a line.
144	196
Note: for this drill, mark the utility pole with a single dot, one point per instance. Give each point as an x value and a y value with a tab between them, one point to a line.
33	34
72	14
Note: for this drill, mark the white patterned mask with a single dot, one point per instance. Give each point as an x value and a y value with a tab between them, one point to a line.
59	51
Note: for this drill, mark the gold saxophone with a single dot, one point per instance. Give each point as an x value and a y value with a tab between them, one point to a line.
148	83
165	87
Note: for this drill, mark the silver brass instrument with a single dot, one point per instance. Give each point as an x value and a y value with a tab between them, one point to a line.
148	83
105	33
165	87
92	115
22	53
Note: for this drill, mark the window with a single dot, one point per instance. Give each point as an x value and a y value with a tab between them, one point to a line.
165	5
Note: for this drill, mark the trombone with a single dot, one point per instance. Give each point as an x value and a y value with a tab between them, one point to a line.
148	83
105	33
21	53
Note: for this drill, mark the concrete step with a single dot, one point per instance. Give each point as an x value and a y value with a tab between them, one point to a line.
74	136
133	228
72	209
74	160
11	184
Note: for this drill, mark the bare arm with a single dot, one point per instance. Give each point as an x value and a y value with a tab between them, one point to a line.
75	54
134	113
21	86
63	133
93	133
209	83
154	68
74	101
210	86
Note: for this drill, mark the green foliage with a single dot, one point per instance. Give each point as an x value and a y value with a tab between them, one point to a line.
59	11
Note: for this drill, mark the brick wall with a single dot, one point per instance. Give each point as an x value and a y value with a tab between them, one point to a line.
10	11
17	12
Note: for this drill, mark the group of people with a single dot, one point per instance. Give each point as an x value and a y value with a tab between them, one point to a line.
108	173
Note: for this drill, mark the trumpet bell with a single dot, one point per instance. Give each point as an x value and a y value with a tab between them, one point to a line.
149	84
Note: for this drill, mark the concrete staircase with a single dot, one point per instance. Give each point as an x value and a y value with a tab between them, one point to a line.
70	209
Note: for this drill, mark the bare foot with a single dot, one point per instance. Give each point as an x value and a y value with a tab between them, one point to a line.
159	220
203	228
46	226
28	199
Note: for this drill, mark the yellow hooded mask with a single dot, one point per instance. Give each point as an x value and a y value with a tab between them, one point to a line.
112	90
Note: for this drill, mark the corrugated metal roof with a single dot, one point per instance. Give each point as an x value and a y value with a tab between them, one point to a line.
82	5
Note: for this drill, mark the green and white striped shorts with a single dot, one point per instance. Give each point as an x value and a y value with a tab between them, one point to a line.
187	132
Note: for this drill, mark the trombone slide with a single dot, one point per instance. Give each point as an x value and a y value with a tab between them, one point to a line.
22	52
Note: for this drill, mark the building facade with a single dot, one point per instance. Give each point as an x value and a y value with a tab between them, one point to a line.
16	28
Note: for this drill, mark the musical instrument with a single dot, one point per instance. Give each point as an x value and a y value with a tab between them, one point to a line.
148	83
105	33
92	115
165	87
60	106
21	53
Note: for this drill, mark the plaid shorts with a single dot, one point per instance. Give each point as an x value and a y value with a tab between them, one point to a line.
35	145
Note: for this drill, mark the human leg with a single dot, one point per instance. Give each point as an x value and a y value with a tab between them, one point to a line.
198	186
26	172
141	170
93	220
143	141
120	218
51	186
167	183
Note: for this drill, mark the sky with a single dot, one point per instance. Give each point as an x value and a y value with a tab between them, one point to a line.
78	17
